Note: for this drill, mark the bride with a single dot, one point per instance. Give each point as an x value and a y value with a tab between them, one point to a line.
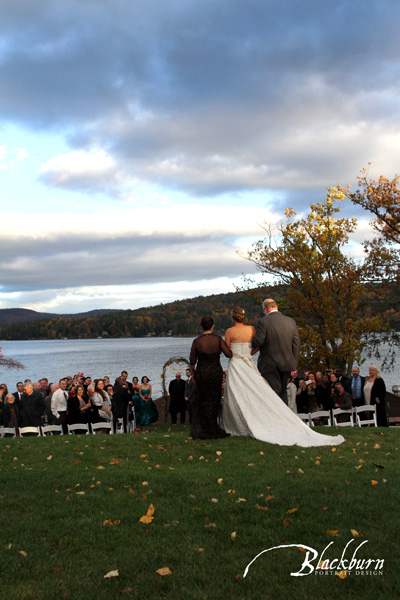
251	408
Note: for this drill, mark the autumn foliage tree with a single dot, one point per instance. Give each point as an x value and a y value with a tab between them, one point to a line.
9	363
324	285
381	198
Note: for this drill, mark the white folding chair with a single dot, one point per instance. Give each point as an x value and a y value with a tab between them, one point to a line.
119	425
371	419
29	431
319	416
8	432
78	429
305	417
52	430
101	428
347	421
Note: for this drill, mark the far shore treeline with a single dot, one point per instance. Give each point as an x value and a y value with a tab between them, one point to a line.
179	318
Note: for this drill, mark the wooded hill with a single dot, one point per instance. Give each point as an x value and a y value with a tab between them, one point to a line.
179	318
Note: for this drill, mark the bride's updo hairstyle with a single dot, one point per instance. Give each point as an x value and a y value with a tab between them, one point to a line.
238	314
206	323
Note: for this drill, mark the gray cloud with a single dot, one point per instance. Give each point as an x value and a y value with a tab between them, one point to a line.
208	97
72	260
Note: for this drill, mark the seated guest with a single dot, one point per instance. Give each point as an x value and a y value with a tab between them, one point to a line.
342	400
78	406
101	402
11	415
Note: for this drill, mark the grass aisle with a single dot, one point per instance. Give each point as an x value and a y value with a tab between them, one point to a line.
71	510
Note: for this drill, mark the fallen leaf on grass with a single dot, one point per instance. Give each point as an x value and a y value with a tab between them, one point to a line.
100	467
258	507
115	461
210	525
342	574
374	482
80	493
376	447
347	482
220	480
164	571
268	498
148	517
23	553
301	471
233	535
332	531
218	453
231	492
355	533
111	574
241	500
127	590
57	569
359	467
286	522
261	453
215	500
49	457
145	483
333	449
200	549
292	510
143	455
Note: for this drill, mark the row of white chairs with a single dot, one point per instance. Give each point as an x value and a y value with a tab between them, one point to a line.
352	417
76	429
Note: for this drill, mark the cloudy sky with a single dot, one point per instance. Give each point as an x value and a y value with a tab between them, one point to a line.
143	142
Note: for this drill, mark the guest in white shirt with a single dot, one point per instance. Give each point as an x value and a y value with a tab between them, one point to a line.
59	405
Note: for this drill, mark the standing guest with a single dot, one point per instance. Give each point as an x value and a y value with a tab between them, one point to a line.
18	394
279	343
177	403
33	406
11	414
190	389
136	396
148	411
43	386
59	401
124	378
78	406
121	400
339	374
48	415
106	380
325	396
302	397
354	386
204	357
375	393
36	387
291	395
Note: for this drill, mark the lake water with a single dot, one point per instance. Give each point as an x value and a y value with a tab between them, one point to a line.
139	356
56	358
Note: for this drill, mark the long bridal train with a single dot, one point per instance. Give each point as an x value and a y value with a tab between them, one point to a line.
252	409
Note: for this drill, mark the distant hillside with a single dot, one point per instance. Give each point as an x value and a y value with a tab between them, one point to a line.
25	315
179	318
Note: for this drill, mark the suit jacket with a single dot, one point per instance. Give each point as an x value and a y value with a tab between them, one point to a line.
33	407
190	389
279	342
17	399
349	385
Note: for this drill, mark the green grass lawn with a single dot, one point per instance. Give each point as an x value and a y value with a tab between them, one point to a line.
71	510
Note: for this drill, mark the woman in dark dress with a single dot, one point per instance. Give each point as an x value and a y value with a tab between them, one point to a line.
78	406
205	353
11	416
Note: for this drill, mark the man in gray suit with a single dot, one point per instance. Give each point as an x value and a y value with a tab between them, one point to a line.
279	343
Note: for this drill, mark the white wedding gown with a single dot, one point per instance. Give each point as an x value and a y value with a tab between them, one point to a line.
251	408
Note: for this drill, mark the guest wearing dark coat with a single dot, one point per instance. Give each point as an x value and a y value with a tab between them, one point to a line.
11	414
121	400
33	407
177	403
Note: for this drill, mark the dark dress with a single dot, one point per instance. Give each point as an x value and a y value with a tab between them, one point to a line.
208	376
